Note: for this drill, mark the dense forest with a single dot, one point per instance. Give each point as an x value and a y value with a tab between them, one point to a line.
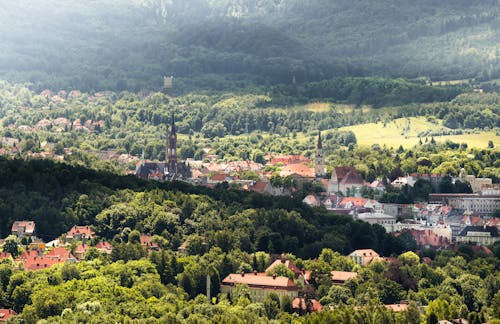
227	44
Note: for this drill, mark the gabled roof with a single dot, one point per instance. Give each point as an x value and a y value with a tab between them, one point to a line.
83	231
300	303
299	169
260	186
6	313
287	263
256	280
342	276
104	247
354	201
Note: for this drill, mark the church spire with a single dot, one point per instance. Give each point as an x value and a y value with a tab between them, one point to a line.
171	158
319	168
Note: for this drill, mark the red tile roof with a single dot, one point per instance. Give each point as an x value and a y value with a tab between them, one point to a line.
146	242
104	247
287	263
355	201
5	255
219	177
256	280
82	231
299	303
300	169
260	186
5	314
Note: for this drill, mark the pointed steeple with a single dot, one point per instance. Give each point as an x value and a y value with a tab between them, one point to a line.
172	124
320	145
142	157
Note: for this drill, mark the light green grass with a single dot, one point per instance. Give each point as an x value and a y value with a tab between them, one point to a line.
394	134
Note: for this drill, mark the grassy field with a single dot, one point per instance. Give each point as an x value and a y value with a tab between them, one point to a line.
405	132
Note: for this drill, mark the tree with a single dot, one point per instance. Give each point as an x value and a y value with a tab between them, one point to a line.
11	246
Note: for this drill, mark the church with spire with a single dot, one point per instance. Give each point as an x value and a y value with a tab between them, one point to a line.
319	160
170	169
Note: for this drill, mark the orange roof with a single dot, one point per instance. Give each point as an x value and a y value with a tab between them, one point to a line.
260	186
298	303
146	242
257	280
82	231
5	255
104	247
355	201
300	169
289	159
397	307
5	314
287	263
342	276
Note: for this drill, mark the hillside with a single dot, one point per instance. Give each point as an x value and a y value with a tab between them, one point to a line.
220	44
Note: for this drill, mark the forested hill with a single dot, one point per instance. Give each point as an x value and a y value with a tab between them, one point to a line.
57	196
118	45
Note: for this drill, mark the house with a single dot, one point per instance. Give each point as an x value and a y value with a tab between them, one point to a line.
340	277
364	257
5	255
80	251
345	179
312	201
80	233
482	235
147	244
260	285
34	260
5	314
310	305
384	220
25	229
429	239
104	247
481	204
298	273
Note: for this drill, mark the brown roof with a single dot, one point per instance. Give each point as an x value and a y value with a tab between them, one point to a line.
257	280
218	177
299	169
343	276
355	201
260	186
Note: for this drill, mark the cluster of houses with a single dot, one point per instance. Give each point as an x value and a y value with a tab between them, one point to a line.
71	247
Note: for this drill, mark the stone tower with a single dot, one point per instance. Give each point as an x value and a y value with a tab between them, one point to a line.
319	167
171	158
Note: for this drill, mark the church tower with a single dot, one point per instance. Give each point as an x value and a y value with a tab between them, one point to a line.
319	167
171	158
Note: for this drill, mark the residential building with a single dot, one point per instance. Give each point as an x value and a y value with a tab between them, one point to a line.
364	257
384	220
482	235
340	277
345	178
5	314
80	233
306	305
260	285
25	229
484	205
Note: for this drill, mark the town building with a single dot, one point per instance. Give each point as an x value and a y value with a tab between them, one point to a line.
319	167
24	229
80	233
5	314
340	277
484	205
302	305
364	257
260	285
482	235
345	180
